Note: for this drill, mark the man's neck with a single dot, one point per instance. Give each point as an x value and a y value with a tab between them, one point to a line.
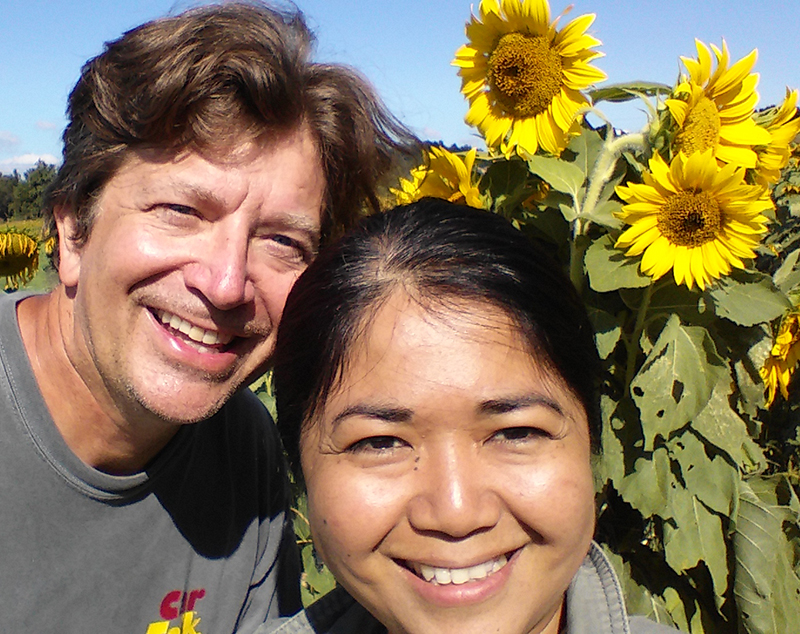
91	423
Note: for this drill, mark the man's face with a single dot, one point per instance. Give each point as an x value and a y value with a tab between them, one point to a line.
179	289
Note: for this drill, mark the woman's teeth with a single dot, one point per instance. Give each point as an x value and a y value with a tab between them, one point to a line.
458	576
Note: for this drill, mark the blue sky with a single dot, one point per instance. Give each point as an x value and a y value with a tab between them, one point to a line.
403	47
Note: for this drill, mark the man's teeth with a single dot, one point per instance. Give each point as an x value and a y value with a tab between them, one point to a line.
195	333
457	576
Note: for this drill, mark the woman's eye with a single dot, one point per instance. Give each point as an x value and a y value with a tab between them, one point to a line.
377	444
519	434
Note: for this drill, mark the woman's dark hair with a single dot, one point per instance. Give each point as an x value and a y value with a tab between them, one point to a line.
442	255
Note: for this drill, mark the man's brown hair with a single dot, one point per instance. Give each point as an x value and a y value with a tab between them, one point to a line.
205	80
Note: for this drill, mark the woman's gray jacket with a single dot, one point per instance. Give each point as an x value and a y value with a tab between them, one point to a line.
594	606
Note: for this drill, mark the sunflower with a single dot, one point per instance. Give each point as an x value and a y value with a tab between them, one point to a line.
692	217
780	364
446	175
523	77
783	124
714	110
19	257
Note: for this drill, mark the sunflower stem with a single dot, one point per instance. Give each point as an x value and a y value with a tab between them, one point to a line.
633	343
577	249
604	166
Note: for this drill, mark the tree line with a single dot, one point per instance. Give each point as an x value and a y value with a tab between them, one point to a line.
21	197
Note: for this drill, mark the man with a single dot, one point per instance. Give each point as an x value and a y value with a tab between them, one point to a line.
142	486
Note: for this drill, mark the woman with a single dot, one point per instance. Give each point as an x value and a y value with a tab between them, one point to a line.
435	379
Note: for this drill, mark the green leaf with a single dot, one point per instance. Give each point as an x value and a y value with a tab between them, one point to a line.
677	379
713	480
650	487
786	277
696	536
317	580
638	598
607	330
603	214
746	370
748	304
727	431
766	588
690	306
568	211
503	178
586	147
610	269
561	175
617	93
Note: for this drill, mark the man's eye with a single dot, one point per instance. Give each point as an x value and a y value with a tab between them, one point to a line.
285	241
377	444
184	210
289	248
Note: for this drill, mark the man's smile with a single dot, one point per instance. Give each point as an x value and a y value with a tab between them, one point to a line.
195	333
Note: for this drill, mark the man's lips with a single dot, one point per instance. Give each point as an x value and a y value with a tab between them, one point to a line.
193	331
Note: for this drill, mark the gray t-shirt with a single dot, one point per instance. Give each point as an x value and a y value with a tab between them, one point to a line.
202	533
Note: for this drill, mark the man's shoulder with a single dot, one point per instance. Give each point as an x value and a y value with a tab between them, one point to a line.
243	427
245	413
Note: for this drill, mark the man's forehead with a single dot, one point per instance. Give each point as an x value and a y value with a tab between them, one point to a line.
238	149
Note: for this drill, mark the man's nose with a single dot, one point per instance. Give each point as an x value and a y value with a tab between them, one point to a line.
219	269
453	497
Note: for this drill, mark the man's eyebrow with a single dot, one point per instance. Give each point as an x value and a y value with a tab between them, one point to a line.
192	190
510	404
387	414
200	193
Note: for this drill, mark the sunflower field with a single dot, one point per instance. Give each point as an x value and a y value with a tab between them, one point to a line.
683	239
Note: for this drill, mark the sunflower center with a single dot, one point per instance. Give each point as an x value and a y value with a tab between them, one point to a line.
690	219
524	74
701	128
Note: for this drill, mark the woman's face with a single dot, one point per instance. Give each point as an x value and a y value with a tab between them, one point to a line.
449	475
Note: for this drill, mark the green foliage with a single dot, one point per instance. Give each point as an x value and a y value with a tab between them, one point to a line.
7	185
27	194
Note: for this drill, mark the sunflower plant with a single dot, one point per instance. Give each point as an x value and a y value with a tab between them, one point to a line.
684	241
19	257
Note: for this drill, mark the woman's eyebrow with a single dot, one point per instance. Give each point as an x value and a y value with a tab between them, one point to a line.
512	403
384	413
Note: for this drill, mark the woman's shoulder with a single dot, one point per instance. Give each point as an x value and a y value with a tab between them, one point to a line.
595	603
335	613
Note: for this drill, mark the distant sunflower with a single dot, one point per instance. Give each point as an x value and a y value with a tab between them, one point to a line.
446	175
692	217
523	77
783	125
19	257
714	110
782	360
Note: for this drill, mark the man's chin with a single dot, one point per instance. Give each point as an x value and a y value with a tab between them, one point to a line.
182	409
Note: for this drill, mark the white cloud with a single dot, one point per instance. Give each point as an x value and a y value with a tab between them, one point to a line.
46	125
25	161
7	139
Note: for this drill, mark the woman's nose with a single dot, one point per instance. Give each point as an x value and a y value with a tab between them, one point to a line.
454	496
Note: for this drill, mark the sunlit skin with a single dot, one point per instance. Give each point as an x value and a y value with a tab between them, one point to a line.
447	444
216	242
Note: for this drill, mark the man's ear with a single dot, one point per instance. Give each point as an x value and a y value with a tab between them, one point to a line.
69	254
